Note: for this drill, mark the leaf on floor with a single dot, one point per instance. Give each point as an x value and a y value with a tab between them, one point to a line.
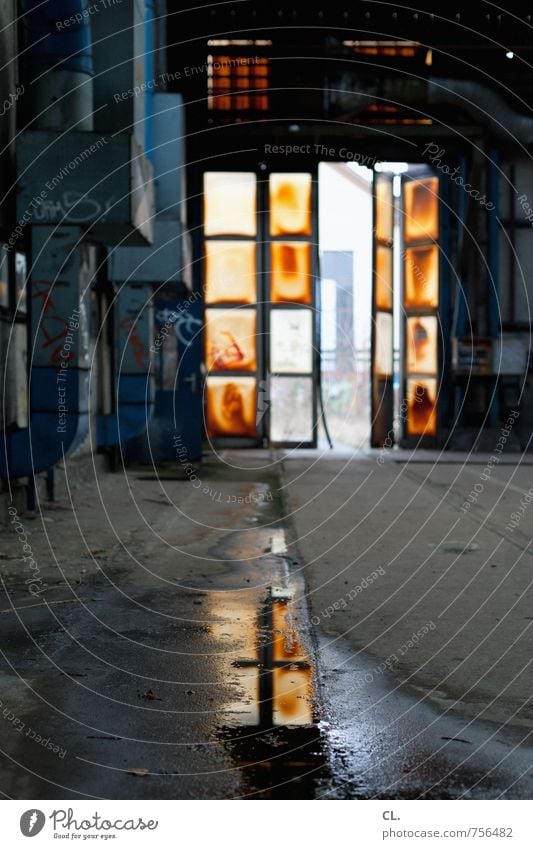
150	696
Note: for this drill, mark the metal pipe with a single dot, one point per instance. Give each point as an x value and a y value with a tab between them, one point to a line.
57	64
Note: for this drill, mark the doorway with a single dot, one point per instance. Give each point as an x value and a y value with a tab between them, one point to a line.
380	297
260	333
322	294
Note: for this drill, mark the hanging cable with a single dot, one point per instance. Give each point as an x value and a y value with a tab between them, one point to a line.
318	302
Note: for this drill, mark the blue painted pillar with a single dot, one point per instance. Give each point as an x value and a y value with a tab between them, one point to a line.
58	356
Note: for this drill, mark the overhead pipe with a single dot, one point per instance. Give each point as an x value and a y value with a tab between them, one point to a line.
487	106
57	63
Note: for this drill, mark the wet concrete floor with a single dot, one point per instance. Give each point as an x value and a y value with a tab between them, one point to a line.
182	662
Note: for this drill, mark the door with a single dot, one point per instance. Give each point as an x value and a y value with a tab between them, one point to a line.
382	337
259	320
421	332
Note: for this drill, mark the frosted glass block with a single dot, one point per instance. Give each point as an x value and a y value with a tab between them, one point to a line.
291	409
230	340
421	340
290	204
383	278
384	210
383	365
291	280
231	406
421	275
230	275
421	209
421	407
229	203
291	341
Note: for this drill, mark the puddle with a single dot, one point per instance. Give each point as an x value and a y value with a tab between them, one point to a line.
272	730
276	674
270	726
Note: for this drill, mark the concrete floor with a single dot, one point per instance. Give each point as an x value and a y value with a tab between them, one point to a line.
393	628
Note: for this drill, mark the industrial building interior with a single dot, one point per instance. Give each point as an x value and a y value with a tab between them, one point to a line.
267	405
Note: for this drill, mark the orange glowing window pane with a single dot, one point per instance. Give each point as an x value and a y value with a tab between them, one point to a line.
234	74
230	272
290	204
230	340
383	341
421	274
383	278
231	406
422	407
421	209
229	203
384	210
291	272
421	344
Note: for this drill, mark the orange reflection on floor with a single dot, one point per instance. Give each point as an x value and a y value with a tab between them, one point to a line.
292	685
290	204
293	692
421	343
230	272
421	270
421	407
383	282
230	340
229	203
285	642
421	209
231	406
291	272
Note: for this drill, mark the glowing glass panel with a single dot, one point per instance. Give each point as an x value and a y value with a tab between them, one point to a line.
383	357
421	274
290	204
291	280
421	344
230	272
422	407
230	340
383	281
384	210
421	209
231	406
229	203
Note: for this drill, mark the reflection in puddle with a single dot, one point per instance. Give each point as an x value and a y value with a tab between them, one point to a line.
271	729
278	675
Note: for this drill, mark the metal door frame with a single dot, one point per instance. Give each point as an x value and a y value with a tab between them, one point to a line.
264	307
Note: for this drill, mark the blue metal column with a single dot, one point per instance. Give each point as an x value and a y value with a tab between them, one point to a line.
58	356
